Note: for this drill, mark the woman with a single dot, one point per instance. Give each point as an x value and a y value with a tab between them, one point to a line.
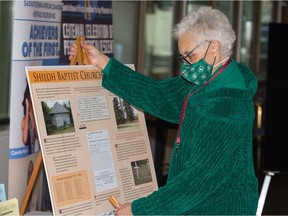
211	169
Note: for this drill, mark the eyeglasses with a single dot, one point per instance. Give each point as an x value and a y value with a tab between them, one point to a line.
183	59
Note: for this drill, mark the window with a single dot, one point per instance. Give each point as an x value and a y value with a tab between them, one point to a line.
158	49
5	47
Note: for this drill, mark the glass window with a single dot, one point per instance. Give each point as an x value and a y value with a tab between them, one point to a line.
125	30
5	47
246	35
158	53
227	8
193	5
266	18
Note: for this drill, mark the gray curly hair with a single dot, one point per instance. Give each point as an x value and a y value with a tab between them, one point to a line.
207	24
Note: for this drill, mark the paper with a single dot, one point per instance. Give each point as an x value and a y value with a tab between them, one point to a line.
9	207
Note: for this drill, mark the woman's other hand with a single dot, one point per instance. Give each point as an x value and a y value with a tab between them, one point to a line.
124	209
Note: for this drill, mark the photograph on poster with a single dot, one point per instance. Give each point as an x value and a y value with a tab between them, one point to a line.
58	117
125	114
141	171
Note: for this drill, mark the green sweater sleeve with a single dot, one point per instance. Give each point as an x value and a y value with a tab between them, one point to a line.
161	98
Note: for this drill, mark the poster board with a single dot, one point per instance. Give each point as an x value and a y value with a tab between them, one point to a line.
93	143
9	207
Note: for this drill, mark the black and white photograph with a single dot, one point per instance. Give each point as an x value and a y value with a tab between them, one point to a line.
141	171
58	117
125	114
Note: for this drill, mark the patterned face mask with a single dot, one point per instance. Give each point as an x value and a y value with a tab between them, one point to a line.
197	73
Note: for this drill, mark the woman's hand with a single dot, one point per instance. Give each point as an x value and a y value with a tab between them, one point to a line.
96	57
124	209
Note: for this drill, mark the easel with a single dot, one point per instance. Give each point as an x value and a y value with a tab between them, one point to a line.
31	183
82	55
263	193
81	59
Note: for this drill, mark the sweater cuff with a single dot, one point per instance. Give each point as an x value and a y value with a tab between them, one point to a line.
137	207
108	67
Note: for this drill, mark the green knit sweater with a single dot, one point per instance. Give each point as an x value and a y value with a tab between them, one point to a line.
214	172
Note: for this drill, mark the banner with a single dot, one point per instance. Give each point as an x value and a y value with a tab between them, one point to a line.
36	41
94	144
93	19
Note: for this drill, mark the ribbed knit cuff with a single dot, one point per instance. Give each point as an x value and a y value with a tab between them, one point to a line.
108	67
137	208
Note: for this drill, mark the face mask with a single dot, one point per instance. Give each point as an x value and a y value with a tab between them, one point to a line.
197	73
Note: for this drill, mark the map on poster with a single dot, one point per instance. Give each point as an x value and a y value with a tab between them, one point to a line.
94	144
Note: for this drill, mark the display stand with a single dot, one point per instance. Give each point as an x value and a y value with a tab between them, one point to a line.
263	193
114	202
31	183
81	59
82	56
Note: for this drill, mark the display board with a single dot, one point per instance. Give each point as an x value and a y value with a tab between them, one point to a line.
94	144
275	148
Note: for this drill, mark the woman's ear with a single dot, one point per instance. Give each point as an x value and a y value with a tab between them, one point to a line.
216	48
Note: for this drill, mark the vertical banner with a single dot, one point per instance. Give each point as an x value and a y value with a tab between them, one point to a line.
36	41
93	19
